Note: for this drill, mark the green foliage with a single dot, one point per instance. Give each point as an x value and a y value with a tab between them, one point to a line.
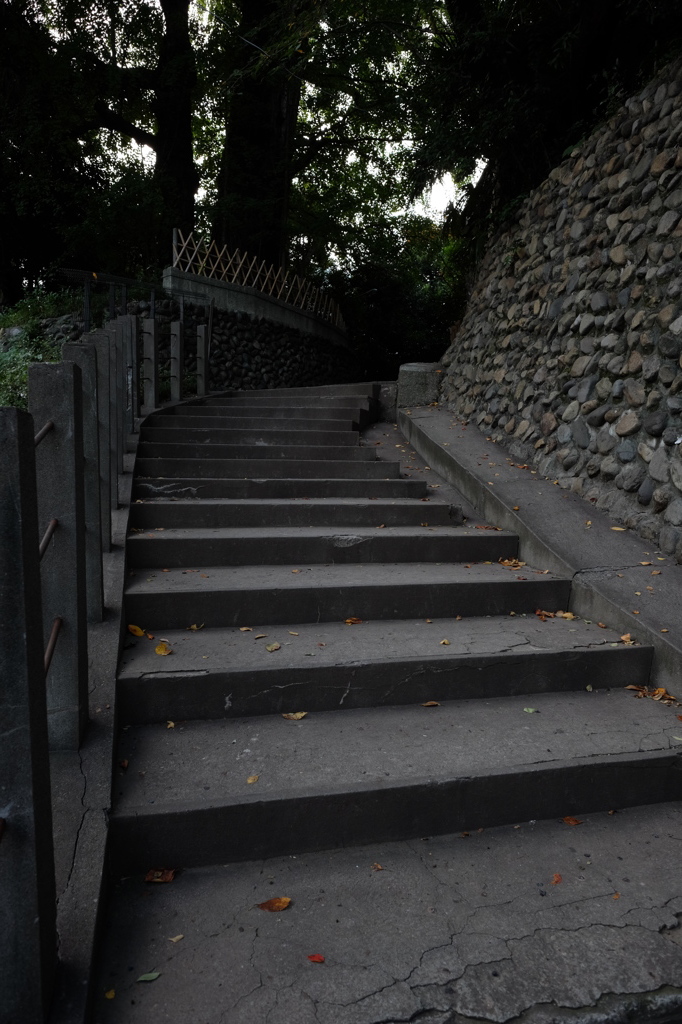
30	345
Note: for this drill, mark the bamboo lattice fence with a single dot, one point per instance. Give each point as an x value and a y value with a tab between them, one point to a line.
195	256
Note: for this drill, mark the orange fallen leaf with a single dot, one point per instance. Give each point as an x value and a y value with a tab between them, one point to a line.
568	820
150	636
316	958
627	638
602	625
646	563
275	905
295	716
377	867
352	621
556	879
431	704
543	615
295	570
160	875
381	526
665	631
616	896
163	649
135	630
566	615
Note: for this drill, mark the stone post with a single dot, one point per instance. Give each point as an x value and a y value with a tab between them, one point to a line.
202	361
120	382
85	356
100	341
54	393
150	368
177	359
28	938
134	371
418	383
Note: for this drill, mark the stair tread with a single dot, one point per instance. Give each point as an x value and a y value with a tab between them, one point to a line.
284	577
342	534
218	650
204	763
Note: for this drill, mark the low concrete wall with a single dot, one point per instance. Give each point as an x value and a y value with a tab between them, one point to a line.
239	299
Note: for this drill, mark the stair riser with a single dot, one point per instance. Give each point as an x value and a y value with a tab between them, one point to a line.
220	422
360	390
197	435
321	820
201	695
161	552
161	610
197	515
272	401
217	469
263	413
190	487
177	449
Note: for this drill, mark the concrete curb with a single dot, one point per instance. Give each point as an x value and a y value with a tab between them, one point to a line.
605	567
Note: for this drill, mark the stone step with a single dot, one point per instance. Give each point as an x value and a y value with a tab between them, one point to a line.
227	673
344	778
346	512
165	430
240	595
310	545
272	400
214	419
245	469
264	414
294	487
361	390
180	448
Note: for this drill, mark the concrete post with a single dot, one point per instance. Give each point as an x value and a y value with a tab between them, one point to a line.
85	356
120	382
54	393
418	383
100	342
134	371
28	937
114	434
202	360
150	368
177	359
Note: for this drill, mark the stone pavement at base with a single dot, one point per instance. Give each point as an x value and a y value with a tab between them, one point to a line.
423	848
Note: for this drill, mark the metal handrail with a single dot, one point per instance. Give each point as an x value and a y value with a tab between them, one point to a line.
43	432
52	642
51	527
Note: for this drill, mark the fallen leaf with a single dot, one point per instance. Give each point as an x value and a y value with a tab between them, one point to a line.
295	716
665	631
656	572
602	625
150	636
245	629
511	563
272	647
589	687
176	938
377	867
616	896
429	620
111	994
543	615
275	905
135	630
431	704
532	711
123	764
566	615
291	633
260	636
516	508
556	879
646	563
194	626
627	638
160	875
316	958
170	725
571	821
295	570
445	643
152	976
163	649
618	529
252	778
381	526
352	621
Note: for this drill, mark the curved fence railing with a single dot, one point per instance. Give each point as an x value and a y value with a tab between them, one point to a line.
194	255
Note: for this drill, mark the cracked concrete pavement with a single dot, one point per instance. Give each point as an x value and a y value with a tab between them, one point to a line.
542	921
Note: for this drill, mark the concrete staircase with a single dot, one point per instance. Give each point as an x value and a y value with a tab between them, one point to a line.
259	520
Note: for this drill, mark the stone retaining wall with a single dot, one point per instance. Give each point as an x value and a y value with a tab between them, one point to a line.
569	350
250	353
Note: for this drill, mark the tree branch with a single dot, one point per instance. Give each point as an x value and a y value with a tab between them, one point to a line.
107	118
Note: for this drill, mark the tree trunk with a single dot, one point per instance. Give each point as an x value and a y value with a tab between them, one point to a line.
175	172
255	173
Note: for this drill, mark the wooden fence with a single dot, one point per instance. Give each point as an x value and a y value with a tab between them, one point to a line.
206	259
59	477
